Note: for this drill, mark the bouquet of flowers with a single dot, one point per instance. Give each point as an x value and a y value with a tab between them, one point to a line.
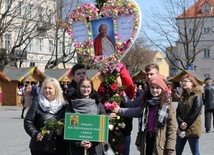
110	97
51	125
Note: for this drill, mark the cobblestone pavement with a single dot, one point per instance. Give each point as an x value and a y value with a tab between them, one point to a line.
15	141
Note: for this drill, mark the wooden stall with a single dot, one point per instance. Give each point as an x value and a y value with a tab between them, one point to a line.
62	75
3	78
16	77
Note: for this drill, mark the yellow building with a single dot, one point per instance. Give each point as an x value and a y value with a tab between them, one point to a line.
153	57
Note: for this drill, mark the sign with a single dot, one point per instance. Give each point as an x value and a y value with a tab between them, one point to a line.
86	127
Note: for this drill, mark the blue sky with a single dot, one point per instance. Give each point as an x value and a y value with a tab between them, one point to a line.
145	6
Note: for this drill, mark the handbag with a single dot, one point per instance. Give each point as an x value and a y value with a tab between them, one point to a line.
107	149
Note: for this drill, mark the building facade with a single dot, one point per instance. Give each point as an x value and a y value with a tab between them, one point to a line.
30	33
197	25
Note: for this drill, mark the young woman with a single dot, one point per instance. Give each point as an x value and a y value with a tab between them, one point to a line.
189	115
86	102
157	133
48	106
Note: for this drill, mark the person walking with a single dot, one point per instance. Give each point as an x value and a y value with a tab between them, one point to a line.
26	98
48	107
84	101
35	90
209	103
189	115
157	125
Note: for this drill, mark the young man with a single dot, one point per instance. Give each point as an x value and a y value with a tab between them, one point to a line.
78	71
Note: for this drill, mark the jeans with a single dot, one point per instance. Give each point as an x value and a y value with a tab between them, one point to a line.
127	142
193	143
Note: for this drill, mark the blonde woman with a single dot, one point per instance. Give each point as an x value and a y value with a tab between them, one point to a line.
49	105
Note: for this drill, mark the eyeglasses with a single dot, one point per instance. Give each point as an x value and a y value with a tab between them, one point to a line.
85	87
153	87
83	73
185	81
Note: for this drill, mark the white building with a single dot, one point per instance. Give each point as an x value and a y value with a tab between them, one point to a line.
199	21
34	24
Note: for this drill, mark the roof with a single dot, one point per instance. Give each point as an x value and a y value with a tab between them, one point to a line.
195	10
59	74
92	72
139	75
177	78
20	74
3	76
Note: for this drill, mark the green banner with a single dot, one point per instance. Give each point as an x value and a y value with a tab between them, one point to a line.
86	127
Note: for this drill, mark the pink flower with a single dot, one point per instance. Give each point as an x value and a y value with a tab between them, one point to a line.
108	106
114	87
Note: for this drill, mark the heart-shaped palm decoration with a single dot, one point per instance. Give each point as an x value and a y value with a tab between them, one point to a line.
118	20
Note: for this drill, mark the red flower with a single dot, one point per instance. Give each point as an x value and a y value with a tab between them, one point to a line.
114	104
114	87
101	89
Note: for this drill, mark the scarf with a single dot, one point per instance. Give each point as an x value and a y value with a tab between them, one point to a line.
162	115
49	106
85	106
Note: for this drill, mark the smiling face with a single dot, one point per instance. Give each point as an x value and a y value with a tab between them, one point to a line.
49	91
155	90
85	88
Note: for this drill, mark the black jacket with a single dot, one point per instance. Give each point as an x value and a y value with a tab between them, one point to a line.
33	123
209	97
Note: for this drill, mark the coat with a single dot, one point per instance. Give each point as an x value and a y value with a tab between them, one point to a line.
34	121
189	110
209	97
165	136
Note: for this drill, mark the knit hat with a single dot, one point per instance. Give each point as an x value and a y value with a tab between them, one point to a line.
159	80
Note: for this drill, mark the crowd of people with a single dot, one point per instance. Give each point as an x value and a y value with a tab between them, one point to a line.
163	129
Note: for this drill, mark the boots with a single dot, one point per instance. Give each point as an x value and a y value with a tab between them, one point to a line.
23	109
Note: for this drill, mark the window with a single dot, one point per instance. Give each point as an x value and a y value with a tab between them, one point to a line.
20	8
30	11
41	14
50	16
8	6
40	45
190	31
60	48
206	29
7	41
206	75
206	53
30	45
158	60
50	46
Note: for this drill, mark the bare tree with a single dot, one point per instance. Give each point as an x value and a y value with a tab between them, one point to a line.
137	57
167	24
62	10
24	19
